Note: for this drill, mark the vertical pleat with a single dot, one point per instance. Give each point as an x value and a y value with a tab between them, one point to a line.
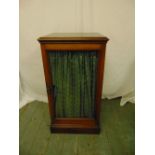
74	77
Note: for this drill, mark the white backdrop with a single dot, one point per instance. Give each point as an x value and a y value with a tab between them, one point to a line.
114	19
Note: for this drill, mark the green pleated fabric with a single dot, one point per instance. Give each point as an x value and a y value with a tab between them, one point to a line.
74	78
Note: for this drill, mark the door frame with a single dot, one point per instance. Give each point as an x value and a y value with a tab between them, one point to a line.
81	125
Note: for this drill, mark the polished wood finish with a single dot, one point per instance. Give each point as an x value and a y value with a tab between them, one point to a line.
73	37
72	46
74	41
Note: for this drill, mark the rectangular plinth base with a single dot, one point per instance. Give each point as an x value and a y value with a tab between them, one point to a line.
74	125
74	130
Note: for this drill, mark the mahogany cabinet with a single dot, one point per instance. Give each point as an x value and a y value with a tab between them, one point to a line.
74	66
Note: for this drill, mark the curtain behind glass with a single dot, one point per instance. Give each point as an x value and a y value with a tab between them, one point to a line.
74	78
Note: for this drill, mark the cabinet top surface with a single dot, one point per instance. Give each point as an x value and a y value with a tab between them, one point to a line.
73	37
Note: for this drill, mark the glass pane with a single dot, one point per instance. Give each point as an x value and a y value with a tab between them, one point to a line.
74	79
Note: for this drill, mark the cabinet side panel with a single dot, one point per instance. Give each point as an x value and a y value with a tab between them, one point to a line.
48	80
100	75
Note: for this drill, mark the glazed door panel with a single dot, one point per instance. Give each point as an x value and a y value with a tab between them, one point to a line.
74	82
